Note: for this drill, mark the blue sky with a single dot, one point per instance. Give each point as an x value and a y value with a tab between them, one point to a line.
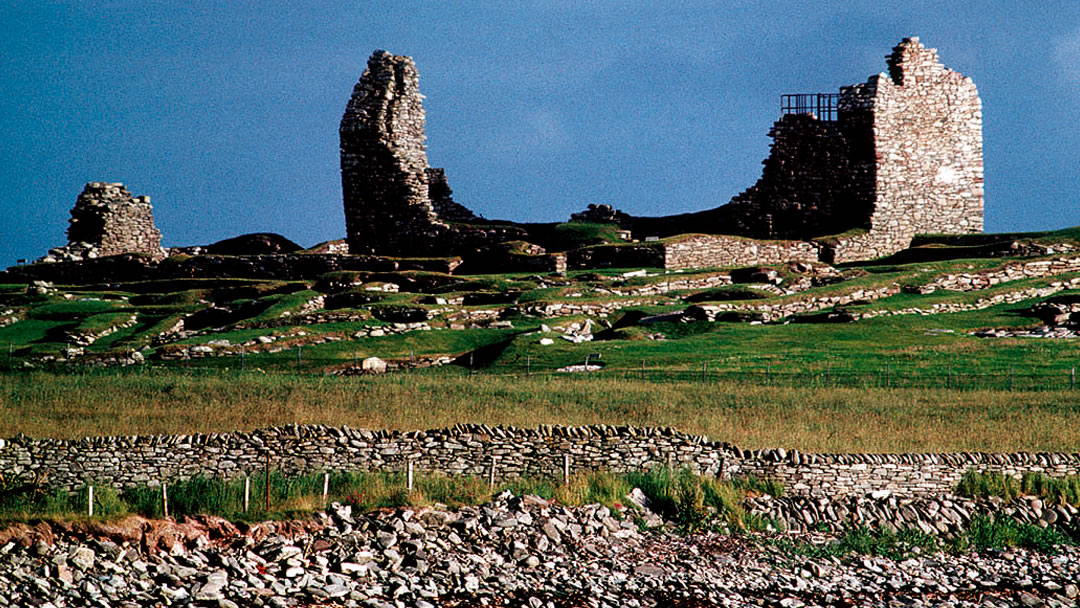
226	113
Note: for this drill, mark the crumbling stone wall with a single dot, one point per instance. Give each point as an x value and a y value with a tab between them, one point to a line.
442	199
394	203
693	251
903	157
107	220
383	159
808	185
925	122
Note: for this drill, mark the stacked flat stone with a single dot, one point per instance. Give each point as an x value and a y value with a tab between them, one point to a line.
383	158
477	449
927	167
904	157
442	199
394	203
108	220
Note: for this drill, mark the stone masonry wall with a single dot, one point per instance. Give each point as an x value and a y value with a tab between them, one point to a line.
706	250
394	203
106	220
468	449
927	135
807	185
904	157
383	159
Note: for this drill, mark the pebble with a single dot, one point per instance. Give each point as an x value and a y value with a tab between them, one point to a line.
523	551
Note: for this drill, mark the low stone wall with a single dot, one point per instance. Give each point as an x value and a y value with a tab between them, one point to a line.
475	449
1009	272
772	312
694	251
298	266
868	246
636	255
708	250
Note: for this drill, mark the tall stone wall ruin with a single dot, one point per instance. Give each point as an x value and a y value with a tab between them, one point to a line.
901	155
395	204
383	159
107	220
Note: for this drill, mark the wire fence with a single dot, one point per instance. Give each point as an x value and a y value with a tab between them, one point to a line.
961	376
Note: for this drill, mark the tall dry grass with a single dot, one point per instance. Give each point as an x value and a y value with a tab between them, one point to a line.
808	419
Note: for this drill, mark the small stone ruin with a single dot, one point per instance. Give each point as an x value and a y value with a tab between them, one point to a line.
108	220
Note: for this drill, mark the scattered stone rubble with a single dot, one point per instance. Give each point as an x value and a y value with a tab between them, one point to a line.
1013	271
513	551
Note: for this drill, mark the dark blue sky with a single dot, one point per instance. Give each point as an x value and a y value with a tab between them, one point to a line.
226	113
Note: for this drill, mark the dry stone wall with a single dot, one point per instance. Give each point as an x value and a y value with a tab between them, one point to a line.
383	159
707	250
107	220
468	449
1010	272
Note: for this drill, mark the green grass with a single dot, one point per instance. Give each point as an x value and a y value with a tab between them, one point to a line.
682	497
1053	490
1001	531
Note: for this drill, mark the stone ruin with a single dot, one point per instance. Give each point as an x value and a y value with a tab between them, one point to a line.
394	203
107	220
859	172
850	176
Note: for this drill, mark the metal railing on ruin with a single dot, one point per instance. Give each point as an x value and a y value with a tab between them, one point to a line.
822	105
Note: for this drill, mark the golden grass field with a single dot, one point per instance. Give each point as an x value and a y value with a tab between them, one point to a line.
808	419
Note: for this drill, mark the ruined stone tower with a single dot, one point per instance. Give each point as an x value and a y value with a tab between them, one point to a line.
383	160
898	155
107	220
394	203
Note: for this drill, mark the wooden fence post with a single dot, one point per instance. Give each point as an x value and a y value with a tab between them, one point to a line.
247	492
325	488
165	499
409	477
90	500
